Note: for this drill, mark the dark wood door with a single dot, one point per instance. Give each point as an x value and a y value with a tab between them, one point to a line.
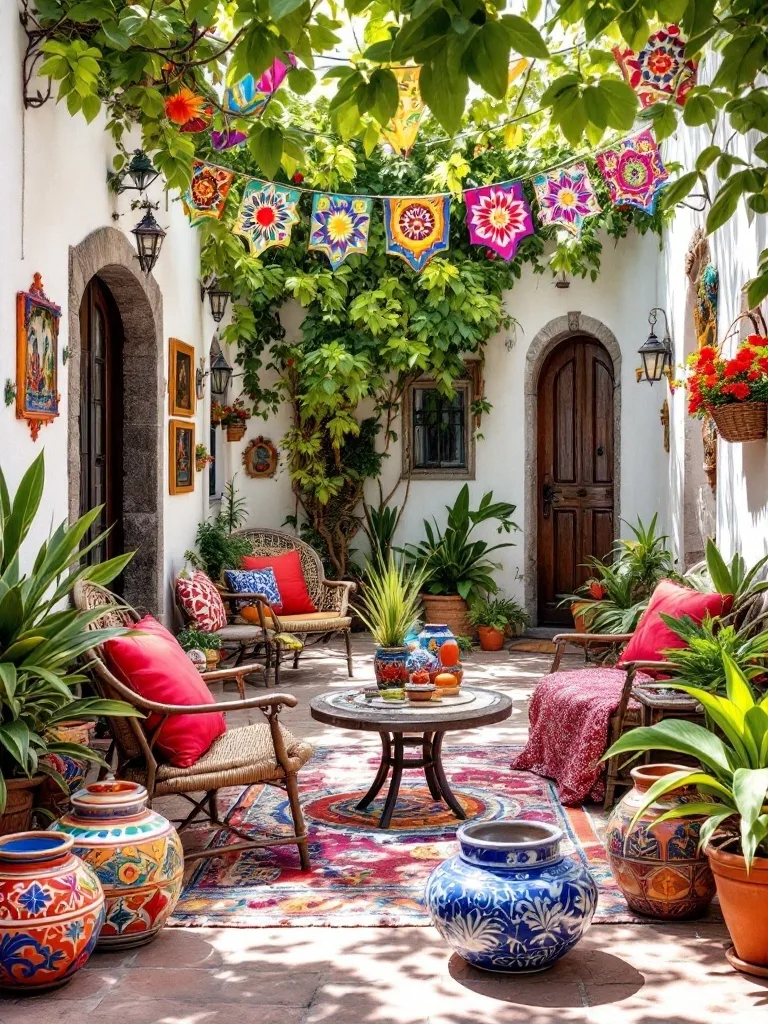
101	416
575	470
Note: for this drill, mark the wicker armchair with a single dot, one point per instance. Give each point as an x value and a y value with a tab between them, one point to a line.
330	597
261	753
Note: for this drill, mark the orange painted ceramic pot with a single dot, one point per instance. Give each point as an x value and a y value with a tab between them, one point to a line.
51	910
659	869
136	854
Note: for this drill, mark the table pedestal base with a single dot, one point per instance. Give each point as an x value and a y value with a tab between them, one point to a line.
393	756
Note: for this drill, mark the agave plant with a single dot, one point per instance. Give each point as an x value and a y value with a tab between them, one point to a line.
700	662
455	563
40	640
390	600
735	775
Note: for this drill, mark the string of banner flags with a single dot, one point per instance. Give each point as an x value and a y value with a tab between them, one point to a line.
498	216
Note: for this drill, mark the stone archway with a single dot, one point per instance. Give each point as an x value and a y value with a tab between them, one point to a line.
107	254
557	330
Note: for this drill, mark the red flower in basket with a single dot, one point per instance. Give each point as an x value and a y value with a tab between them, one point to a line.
714	381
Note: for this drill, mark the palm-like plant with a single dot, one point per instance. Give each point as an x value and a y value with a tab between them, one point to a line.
39	640
735	774
700	662
745	586
455	563
380	525
390	601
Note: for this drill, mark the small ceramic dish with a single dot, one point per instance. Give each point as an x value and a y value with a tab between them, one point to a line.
420	693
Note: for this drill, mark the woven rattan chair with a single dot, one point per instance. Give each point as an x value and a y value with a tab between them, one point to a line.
261	753
330	597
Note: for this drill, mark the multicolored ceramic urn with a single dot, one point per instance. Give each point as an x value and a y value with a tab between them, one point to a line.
659	868
433	636
51	910
136	854
511	901
389	666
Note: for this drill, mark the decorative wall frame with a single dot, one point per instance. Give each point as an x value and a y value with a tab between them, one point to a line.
181	378
260	458
181	457
37	357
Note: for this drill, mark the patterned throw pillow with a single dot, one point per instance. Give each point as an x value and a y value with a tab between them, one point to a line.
253	581
201	601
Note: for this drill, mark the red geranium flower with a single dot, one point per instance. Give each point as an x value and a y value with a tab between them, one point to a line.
739	389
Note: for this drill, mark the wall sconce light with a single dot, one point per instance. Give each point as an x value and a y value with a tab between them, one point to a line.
218	298
656	354
149	238
220	374
140	170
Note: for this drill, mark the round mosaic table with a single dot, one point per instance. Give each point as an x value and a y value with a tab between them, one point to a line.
411	725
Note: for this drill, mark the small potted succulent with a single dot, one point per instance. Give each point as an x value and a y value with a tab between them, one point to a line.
493	617
203	457
234	418
193	639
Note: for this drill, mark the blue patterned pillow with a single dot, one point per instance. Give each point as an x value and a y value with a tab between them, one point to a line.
254	581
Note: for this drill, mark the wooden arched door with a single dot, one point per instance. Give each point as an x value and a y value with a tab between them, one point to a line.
101	416
575	470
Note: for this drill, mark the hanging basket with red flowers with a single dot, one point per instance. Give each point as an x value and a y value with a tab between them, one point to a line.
734	392
234	417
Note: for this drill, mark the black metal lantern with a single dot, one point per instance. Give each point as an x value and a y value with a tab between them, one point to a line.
218	299
220	372
149	240
141	171
656	354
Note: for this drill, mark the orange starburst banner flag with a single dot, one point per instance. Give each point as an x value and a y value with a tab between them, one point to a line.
404	127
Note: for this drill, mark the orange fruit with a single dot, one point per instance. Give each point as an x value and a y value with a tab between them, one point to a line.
445	679
449	653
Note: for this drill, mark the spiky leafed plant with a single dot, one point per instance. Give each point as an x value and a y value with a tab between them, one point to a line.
380	525
700	662
747	587
735	759
390	600
40	641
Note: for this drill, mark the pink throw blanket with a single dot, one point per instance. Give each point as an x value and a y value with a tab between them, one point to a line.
569	714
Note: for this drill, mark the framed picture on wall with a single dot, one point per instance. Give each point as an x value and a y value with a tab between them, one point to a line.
37	356
182	378
181	456
260	458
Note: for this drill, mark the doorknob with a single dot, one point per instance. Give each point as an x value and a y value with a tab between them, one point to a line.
549	497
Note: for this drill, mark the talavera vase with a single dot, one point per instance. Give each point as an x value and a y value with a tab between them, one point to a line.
136	854
389	666
433	636
511	901
659	868
51	910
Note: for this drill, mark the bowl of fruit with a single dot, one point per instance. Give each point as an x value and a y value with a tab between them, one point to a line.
448	681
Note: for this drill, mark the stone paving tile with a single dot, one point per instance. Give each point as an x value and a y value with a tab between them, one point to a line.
218	985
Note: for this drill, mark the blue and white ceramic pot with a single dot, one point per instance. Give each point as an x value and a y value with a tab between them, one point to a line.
422	660
433	636
511	901
389	667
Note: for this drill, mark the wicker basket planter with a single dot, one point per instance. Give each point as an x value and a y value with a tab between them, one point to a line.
235	431
741	421
450	609
19	802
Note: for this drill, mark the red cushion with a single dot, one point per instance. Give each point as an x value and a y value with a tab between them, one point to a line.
154	665
201	601
652	636
290	581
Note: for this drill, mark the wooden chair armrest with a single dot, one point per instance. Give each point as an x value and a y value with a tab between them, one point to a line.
347	586
230	673
652	666
584	640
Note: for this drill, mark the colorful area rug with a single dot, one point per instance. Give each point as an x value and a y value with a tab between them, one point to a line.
363	876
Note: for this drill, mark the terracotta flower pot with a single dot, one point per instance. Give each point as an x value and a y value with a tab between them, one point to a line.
449	609
491	639
235	431
659	868
744	903
577	611
18	805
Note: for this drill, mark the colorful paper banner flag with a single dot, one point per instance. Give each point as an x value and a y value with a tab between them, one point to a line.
207	192
417	229
229	139
660	69
249	96
266	215
340	226
633	171
566	197
404	127
499	217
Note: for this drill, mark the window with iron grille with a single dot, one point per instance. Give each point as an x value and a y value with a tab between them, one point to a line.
438	438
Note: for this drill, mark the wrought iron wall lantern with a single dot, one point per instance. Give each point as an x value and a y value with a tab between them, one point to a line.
149	237
140	170
218	298
656	353
220	373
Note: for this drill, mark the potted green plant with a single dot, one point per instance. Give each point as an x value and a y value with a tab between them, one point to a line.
235	417
457	567
388	607
700	662
217	549
192	639
493	617
203	457
733	749
40	643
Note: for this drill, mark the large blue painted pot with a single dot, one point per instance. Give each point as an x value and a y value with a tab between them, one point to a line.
433	636
511	901
389	667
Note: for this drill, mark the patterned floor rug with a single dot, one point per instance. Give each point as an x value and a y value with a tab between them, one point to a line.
363	876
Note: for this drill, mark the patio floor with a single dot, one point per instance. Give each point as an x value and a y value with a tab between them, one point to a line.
647	974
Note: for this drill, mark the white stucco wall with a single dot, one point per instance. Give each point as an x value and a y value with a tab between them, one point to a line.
53	171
